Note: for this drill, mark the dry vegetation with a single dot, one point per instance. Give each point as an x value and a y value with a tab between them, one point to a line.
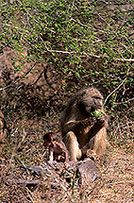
34	91
21	146
24	148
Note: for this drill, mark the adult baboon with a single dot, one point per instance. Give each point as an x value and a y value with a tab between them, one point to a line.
80	130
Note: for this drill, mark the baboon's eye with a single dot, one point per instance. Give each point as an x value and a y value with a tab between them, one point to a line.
95	97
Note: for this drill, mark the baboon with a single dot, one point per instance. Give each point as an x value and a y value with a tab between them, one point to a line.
57	149
79	128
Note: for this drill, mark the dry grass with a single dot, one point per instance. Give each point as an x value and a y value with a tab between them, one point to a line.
24	147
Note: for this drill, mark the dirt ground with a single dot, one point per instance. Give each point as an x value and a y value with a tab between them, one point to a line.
22	145
115	184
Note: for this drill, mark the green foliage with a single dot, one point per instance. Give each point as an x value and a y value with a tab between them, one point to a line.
97	113
64	26
71	34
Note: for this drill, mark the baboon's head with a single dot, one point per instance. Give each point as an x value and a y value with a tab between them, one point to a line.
90	99
48	139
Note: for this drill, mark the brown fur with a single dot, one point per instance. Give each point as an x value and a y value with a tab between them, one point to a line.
57	149
79	129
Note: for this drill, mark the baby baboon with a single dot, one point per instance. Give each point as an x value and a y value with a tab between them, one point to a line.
57	149
80	130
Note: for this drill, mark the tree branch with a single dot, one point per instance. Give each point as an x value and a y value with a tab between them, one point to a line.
114	91
88	54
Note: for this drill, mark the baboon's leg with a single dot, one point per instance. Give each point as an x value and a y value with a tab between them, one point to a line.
100	142
51	155
72	145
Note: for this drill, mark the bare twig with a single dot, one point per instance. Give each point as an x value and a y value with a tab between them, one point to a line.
47	80
83	25
29	182
23	76
38	78
124	60
123	102
114	91
72	52
89	55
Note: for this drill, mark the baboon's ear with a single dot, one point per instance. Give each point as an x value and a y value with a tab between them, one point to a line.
80	98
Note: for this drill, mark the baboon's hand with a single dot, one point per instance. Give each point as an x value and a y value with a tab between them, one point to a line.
88	122
101	119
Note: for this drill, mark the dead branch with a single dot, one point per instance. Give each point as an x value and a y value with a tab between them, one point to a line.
114	91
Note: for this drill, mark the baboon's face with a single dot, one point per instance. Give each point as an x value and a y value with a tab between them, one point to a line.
97	102
47	138
91	100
